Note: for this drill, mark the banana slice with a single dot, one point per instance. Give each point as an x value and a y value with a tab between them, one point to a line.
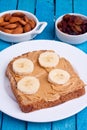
28	85
48	59
23	66
58	76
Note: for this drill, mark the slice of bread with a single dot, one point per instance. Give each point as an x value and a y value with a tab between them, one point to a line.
49	94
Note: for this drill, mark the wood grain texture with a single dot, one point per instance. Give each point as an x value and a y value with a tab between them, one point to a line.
45	12
7	5
81	7
27	5
4	45
10	123
66	124
63	7
39	126
82	120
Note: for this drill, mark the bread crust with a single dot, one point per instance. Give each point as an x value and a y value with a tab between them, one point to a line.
23	100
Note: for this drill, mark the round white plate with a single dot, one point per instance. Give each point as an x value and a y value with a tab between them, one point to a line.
8	103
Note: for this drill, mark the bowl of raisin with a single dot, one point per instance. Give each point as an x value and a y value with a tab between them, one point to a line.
72	28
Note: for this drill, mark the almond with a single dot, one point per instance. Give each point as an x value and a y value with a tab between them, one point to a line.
7	30
27	28
32	23
1	19
26	19
17	30
17	19
11	26
22	21
4	24
18	14
1	28
16	23
7	17
14	19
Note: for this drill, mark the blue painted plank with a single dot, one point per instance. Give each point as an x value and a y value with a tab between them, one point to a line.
82	47
0	119
4	45
7	5
45	12
27	5
81	7
66	124
63	7
10	123
82	120
39	126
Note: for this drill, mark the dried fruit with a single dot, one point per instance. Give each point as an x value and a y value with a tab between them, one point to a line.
73	25
78	20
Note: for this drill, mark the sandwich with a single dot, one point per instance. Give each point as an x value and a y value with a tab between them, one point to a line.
42	79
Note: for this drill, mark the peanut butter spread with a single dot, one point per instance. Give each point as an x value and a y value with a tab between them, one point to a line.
48	91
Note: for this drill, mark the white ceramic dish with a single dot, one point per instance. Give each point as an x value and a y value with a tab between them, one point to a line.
71	39
8	103
40	26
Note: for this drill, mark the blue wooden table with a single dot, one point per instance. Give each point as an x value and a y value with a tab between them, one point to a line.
45	10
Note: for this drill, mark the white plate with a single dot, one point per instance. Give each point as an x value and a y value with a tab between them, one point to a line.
8	104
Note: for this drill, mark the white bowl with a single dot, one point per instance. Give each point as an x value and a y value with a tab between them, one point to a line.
71	39
24	36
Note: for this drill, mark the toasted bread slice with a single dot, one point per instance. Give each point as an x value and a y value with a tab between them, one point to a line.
48	94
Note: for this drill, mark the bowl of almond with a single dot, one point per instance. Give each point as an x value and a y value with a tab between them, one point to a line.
71	28
18	26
